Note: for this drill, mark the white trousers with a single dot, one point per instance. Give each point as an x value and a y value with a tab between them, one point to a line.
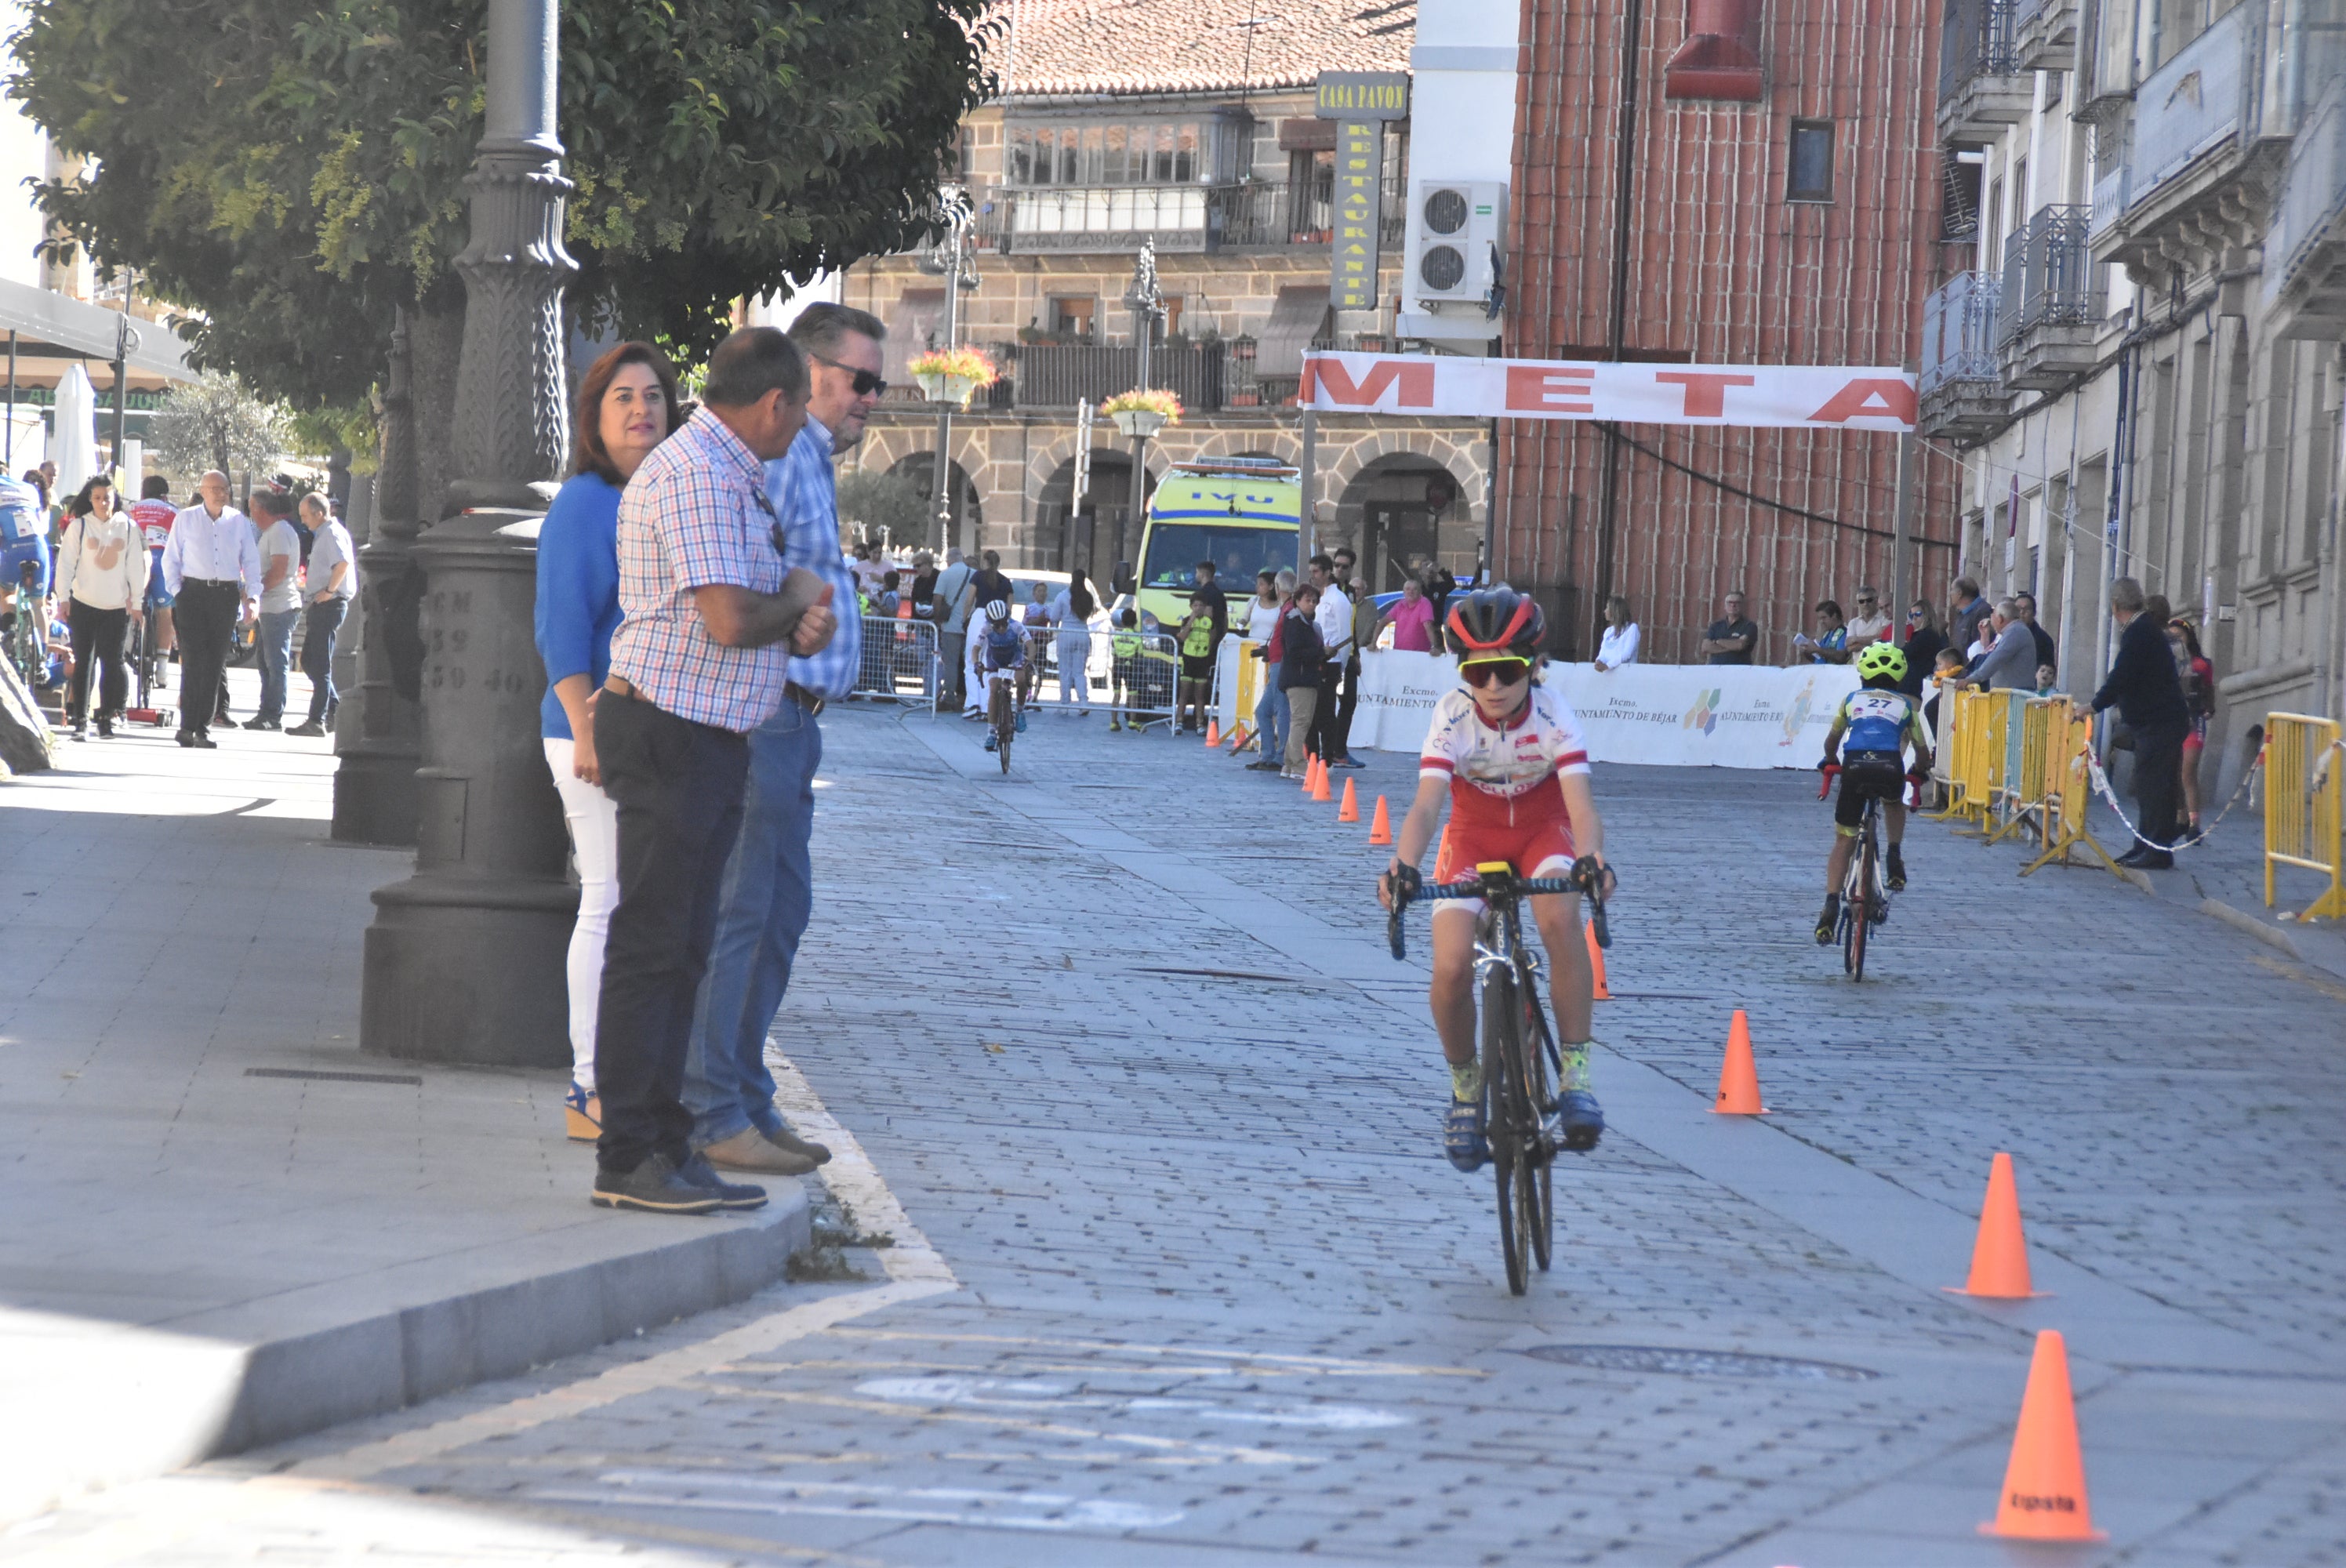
593	819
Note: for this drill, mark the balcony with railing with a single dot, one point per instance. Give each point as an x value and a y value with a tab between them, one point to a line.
1981	89
2045	34
1961	381
2305	249
2050	311
2192	137
1257	215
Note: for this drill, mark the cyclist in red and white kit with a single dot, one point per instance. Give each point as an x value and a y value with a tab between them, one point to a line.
153	514
1507	754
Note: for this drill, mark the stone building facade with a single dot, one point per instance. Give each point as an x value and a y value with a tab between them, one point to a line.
1191	129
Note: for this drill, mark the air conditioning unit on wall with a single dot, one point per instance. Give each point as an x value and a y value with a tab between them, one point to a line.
1454	231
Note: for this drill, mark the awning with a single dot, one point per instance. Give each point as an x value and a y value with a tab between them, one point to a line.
1296	318
66	328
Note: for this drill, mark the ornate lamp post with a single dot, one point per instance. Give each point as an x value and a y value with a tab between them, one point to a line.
959	273
1146	300
464	959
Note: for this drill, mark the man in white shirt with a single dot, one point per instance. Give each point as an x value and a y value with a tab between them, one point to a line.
1333	621
1868	625
281	602
952	626
211	567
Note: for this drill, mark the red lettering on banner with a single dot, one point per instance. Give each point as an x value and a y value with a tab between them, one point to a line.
1706	390
1535	389
1864	399
1329	377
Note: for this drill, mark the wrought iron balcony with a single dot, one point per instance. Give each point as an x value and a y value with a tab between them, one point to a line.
2052	300
1181	217
1981	89
1961	379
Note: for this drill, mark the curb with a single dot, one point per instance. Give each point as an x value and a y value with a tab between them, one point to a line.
2241	920
224	1382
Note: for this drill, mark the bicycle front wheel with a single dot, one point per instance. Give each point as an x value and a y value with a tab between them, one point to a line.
1509	1125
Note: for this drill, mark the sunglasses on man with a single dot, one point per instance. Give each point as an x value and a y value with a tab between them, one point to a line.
866	384
1504	671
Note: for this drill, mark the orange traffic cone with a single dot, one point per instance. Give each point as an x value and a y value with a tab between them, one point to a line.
1350	812
1311	772
1739	1076
1320	784
2044	1496
1595	965
1213	732
2000	1255
1240	736
1381	825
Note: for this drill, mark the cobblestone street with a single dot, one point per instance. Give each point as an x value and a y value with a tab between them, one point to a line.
1154	1259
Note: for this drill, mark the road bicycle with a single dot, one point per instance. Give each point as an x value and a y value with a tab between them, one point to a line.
1521	1063
1865	887
28	645
1002	714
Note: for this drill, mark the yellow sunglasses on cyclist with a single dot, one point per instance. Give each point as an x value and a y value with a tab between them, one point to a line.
1505	671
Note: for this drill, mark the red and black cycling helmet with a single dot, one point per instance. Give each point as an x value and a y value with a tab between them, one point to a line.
1494	623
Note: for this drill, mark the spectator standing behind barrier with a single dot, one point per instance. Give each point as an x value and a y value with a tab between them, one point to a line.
1302	670
1963	627
1410	617
1124	669
710	618
1193	639
1924	641
1209	582
1332	619
1072	609
2010	662
1619	646
1734	637
1867	625
2199	678
1831	644
211	568
948	597
1439	585
281	602
2048	653
1359	634
2142	687
627	406
102	577
329	582
769	892
1269	602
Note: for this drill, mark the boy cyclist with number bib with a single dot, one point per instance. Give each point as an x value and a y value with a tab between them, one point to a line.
1507	754
1001	657
1869	733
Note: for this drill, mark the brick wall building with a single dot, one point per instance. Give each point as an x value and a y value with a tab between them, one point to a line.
1189	125
1786	209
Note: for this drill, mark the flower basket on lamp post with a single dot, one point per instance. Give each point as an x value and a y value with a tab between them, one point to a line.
1142	412
951	375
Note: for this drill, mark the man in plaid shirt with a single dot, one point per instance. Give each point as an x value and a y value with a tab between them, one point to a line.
769	890
711	618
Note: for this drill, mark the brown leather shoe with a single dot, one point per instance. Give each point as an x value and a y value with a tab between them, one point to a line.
791	1143
748	1151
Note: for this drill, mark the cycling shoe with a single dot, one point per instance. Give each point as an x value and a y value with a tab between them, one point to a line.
1022	721
1582	1119
1461	1135
1829	923
989	740
1897	870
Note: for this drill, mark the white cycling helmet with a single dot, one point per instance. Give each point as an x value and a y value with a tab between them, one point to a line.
997	610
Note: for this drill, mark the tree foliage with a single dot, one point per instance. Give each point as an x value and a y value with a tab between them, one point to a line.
217	423
293	169
884	501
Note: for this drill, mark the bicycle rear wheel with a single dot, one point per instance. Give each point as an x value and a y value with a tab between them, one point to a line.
1506	1123
1856	914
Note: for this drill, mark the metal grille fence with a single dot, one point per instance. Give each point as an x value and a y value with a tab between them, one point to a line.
900	661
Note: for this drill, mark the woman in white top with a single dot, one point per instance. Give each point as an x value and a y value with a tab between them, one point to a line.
102	575
1071	612
1621	644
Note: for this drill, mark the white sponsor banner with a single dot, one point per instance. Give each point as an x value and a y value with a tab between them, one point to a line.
1682	714
1812	397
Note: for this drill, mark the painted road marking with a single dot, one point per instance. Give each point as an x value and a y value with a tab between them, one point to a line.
1023	1394
732	1492
1332	1365
1163	1445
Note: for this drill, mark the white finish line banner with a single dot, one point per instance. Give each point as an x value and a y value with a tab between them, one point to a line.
1679	715
1808	397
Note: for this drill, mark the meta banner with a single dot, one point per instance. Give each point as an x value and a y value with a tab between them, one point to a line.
1812	397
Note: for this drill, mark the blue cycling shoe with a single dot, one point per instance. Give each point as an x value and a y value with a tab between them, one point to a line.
1461	1135
1581	1119
1022	721
989	740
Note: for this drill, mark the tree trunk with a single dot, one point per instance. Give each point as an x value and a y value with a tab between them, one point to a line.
436	342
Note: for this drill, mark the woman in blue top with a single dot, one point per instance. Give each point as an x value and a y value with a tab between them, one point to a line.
627	406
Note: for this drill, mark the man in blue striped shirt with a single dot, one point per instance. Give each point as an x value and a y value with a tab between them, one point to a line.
768	892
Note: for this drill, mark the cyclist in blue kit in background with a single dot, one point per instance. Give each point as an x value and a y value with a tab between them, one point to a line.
1870	734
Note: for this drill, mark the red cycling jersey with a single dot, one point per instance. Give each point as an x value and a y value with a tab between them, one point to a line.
1504	801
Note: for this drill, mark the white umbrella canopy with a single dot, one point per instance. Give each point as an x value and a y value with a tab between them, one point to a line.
74	445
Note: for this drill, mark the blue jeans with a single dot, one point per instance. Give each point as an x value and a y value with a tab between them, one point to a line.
276	654
1270	715
763	904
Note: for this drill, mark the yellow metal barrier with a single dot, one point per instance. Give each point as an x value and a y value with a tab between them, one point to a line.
1971	773
2016	782
2027	782
2067	787
2303	784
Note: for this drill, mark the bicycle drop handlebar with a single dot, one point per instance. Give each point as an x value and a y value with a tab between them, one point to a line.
1586	876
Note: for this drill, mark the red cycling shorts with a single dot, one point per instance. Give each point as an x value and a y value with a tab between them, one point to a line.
1538	844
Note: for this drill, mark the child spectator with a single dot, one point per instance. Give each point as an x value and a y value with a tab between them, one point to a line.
1196	640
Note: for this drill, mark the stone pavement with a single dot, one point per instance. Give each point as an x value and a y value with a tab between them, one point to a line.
225	1225
1119	1066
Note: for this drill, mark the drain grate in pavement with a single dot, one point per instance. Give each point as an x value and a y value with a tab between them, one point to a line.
1696	1363
410	1079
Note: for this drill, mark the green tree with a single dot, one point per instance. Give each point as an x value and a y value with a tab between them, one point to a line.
884	501
292	172
217	423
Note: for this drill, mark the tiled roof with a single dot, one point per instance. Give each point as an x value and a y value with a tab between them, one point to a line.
1057	47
